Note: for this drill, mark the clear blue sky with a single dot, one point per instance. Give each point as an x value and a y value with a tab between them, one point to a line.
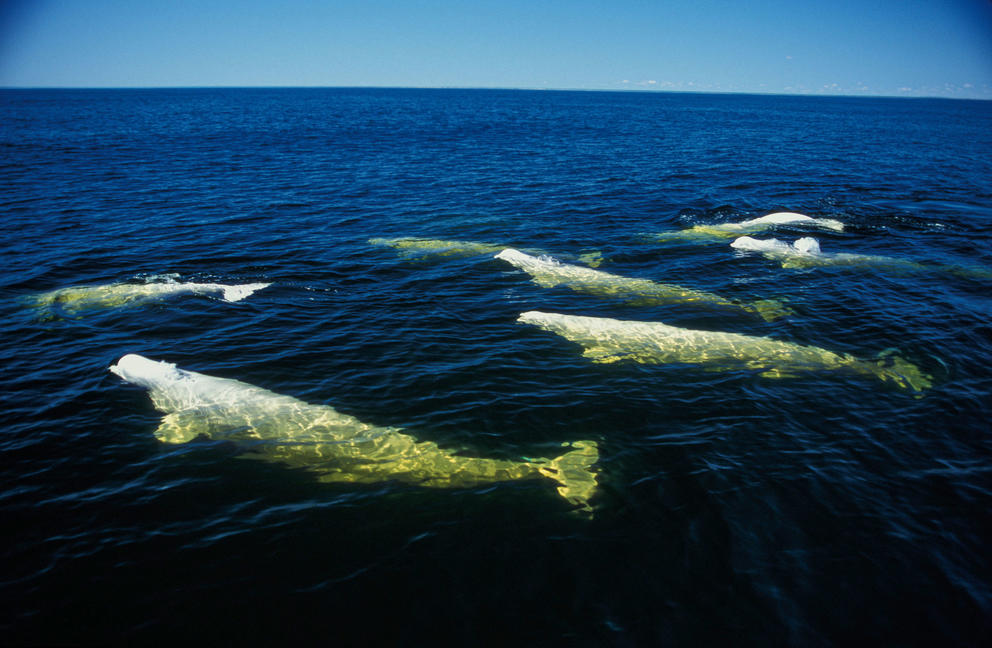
875	47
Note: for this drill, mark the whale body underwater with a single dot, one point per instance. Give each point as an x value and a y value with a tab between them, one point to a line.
411	246
77	299
549	273
755	225
610	340
423	248
336	447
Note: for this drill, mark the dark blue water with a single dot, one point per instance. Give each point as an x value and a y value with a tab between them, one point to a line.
824	509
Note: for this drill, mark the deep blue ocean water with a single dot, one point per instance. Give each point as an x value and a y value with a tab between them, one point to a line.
823	509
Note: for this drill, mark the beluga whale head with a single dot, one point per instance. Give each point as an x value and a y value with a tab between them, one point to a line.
173	389
151	374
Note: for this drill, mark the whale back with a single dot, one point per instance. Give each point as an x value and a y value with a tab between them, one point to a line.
778	218
757	245
790	218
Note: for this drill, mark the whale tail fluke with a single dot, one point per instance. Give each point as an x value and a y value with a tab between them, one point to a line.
237	293
894	368
575	474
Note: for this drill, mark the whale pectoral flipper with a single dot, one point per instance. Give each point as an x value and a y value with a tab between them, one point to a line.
181	427
892	367
769	309
603	355
775	372
574	473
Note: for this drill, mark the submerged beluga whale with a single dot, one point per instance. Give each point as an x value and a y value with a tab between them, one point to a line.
548	273
413	247
611	340
335	446
752	226
74	300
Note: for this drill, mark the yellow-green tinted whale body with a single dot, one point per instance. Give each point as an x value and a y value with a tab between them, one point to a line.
548	273
76	299
752	226
611	340
413	247
335	446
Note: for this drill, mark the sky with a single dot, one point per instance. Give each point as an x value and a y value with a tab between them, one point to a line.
847	47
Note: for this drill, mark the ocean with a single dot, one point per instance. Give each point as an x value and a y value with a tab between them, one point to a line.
738	499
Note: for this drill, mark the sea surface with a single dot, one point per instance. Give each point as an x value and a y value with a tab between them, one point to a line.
815	509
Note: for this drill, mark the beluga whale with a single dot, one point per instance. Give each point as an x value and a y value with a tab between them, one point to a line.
611	340
336	447
75	300
806	253
752	226
413	248
548	273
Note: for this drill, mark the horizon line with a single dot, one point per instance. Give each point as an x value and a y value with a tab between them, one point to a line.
640	90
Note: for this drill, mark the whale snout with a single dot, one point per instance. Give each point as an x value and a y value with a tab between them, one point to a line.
511	255
746	243
140	370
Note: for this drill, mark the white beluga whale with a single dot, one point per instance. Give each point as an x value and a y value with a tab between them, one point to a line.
413	247
74	300
547	273
806	253
610	340
335	446
752	226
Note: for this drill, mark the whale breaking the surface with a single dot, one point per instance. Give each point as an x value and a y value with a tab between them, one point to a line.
611	340
549	273
806	253
752	226
335	446
77	299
